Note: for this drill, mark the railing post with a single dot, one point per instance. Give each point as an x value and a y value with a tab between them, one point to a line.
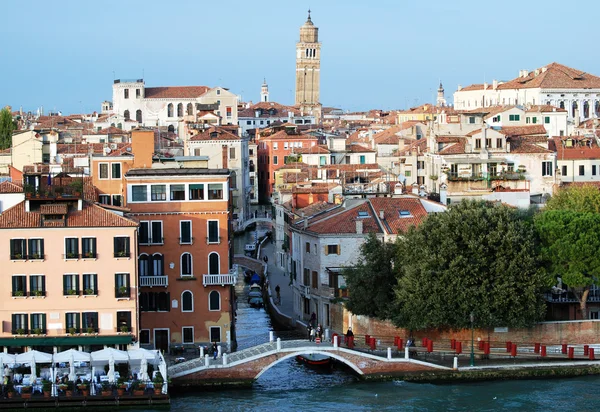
206	361
278	344
327	334
455	364
219	350
406	355
201	351
389	353
224	359
271	336
335	341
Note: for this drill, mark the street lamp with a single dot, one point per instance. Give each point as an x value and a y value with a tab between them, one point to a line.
472	317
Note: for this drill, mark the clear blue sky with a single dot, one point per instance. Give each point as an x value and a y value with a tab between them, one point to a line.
384	54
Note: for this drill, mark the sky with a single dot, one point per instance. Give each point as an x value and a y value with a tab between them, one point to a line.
64	54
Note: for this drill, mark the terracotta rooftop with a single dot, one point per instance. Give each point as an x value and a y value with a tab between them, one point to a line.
175	92
9	187
214	133
510	131
279	110
399	213
343	221
54	209
356	148
578	151
90	216
318	149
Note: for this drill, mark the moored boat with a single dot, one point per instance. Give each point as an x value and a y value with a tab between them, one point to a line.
314	359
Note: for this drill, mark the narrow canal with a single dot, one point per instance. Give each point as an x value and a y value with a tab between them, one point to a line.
290	386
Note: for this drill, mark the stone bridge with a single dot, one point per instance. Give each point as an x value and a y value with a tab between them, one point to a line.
244	367
255	220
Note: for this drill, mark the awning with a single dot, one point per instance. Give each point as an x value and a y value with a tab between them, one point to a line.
66	341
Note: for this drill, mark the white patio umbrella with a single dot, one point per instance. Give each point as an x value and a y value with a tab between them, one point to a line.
72	375
93	382
111	369
33	371
71	355
32	357
110	356
162	367
5	359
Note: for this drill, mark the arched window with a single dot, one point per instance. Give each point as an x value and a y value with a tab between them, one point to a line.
170	110
138	116
214	300
180	110
171	128
586	109
186	264
187	301
126	114
574	107
597	108
190	109
120	125
213	263
157	264
562	105
143	267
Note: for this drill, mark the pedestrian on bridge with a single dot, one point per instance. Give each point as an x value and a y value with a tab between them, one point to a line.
215	350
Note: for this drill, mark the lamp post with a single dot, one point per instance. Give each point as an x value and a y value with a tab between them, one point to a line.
472	317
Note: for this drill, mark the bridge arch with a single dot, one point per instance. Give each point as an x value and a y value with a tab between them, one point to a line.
256	220
305	352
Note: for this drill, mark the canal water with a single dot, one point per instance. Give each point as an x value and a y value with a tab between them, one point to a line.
290	386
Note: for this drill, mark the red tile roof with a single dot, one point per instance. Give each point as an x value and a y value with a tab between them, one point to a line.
280	110
577	152
523	130
9	187
356	148
318	149
393	221
343	221
214	133
90	216
54	209
175	92
545	109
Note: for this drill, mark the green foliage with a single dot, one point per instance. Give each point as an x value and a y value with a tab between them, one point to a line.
584	198
570	245
477	257
7	127
372	280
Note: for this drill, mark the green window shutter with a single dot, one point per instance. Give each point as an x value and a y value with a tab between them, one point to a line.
127	250
14	323
31	283
14	283
168	301
127	281
44	284
43	322
95	278
64	284
26	323
115	241
12	248
42	247
77	283
78	321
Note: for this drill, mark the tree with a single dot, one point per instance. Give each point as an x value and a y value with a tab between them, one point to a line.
478	258
371	282
570	245
584	198
6	128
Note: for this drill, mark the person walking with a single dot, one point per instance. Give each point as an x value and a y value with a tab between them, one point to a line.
277	292
320	332
309	333
312	334
215	350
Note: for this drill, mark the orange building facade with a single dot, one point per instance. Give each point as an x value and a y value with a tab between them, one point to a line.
184	255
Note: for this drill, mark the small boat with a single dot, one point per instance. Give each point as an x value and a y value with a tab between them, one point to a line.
255	287
314	359
250	247
256	302
254	294
256	278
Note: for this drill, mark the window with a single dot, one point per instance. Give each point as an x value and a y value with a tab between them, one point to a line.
186	264
104	199
593	170
158	264
103	170
546	168
213	232
307	247
156	232
215	334
477	143
126	93
187	333
215	191
185	232
19	285
138	93
407	173
362	159
121	246
534	120
315	280
214	300
564	171
528	120
138	116
213	264
145	336
285	145
180	110
333	250
488	142
126	115
158	193
514	117
115	170
471	120
117	200
139	193
420	180
275	160
71	248
581	170
89	322
37	285
36	249
248	122
122	285
18	249
143	265
196	192
499	143
420	164
72	322
144	233
190	109
274	145
187	301
546	119
90	284
124	321
70	284
20	324
38	323
177	192
306	277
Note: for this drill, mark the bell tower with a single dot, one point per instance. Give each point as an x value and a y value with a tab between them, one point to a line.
308	70
264	92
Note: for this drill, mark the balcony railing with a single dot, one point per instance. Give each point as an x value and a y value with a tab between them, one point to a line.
17	256
53	192
35	257
305	291
72	255
122	254
568	297
218	280
37	293
19	293
71	292
151	281
456	177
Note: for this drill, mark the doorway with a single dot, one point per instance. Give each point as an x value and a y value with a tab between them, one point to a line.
161	339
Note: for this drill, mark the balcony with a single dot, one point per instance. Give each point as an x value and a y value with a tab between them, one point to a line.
151	281
218	280
44	192
304	291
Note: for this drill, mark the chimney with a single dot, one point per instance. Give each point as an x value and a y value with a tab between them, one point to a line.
494	84
381	215
415	189
359	227
459	88
305	223
485	85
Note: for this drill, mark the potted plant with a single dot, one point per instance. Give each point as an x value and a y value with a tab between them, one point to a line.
84	388
18	256
90	330
47	388
26	392
37	331
158	383
72	331
19	293
89	291
106	389
123	290
69	388
121	386
121	253
36	256
20	331
71	292
124	329
89	255
70	255
38	293
138	388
